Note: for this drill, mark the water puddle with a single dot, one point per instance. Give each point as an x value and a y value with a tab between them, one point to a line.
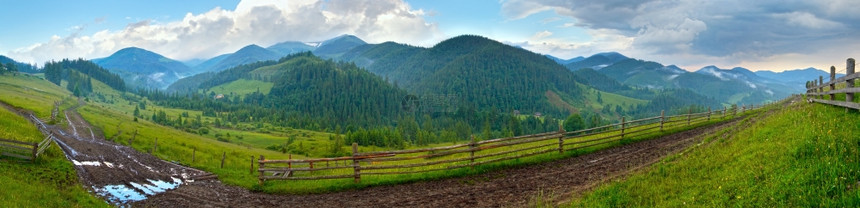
131	192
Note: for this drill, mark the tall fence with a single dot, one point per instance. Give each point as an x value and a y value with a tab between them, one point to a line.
816	90
475	153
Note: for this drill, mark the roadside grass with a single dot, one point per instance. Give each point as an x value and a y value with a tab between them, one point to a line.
50	181
805	155
320	186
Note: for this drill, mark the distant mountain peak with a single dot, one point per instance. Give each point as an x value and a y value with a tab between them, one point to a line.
342	38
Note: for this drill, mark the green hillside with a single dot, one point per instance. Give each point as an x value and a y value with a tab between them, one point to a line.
243	87
804	155
50	181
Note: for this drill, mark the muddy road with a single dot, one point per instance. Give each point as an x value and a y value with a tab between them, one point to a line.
515	187
116	173
124	176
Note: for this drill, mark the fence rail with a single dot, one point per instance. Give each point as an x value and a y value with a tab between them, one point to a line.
475	153
24	150
816	90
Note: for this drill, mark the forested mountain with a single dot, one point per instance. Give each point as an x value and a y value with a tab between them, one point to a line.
308	92
796	79
597	61
291	47
643	73
142	68
732	86
478	71
246	55
337	46
563	61
18	66
78	73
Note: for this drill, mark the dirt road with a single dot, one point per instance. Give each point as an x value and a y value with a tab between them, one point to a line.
514	187
106	167
117	173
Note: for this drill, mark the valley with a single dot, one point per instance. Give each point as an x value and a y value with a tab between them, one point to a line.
341	104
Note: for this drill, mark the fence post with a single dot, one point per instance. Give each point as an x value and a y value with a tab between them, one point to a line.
662	118
849	70
832	85
725	110
290	164
252	165
821	88
689	113
194	154
622	127
155	146
709	113
472	152
262	165
35	150
560	139
355	163
223	156
743	108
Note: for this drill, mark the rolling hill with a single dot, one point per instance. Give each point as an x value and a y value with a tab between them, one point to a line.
142	68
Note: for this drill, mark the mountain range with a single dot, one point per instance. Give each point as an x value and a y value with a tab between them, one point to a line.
449	67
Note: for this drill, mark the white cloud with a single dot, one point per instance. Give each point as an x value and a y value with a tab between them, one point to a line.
805	19
541	35
264	23
691	33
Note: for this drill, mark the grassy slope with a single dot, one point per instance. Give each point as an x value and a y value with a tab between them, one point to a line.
613	99
802	156
243	87
31	92
50	181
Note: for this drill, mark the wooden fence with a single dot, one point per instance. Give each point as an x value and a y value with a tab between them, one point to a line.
816	90
474	153
24	150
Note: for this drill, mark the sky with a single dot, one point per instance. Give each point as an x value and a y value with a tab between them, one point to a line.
771	35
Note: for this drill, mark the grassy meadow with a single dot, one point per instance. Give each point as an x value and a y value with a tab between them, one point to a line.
805	155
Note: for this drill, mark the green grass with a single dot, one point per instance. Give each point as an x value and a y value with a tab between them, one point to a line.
32	93
243	87
802	156
612	99
50	181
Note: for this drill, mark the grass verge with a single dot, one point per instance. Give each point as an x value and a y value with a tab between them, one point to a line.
802	156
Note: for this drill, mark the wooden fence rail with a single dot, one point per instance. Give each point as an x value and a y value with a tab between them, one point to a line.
475	153
24	150
817	89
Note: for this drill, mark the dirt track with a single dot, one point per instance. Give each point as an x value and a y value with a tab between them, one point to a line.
117	173
513	187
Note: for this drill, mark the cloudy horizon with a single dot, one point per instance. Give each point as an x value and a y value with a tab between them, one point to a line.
758	35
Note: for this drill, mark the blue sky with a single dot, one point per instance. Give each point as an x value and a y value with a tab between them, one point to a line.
760	35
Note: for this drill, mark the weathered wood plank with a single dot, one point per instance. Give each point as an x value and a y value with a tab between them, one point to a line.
14	147
840	79
17	155
305	169
307	178
17	142
852	105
